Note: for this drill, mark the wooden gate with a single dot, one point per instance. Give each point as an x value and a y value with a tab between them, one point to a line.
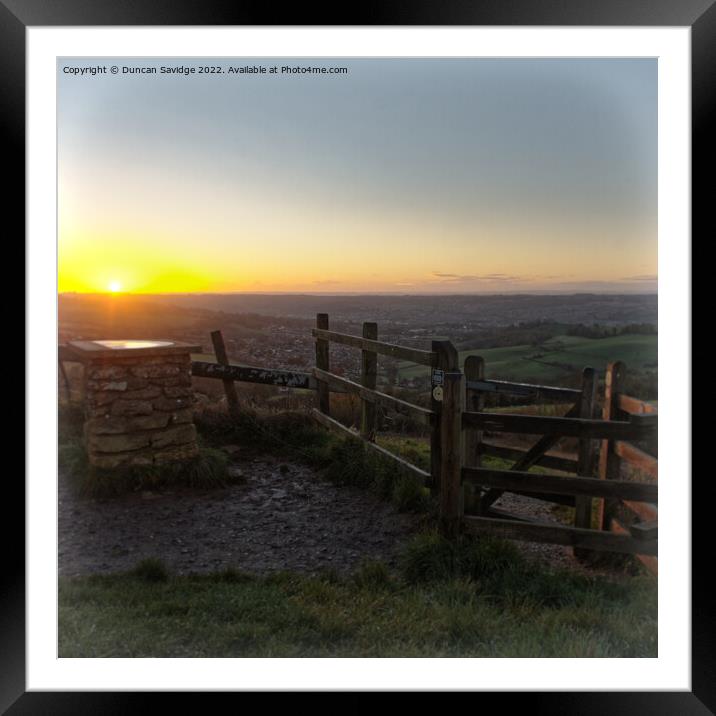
467	491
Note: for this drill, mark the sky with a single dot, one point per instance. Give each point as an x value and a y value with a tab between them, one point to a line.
398	176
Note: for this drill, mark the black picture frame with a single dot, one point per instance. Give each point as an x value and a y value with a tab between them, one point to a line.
699	15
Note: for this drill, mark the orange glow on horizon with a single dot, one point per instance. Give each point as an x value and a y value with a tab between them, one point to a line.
315	259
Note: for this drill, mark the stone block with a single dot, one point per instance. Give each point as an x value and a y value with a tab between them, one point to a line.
114	385
175	359
178	392
173	404
118	443
151	391
98	399
179	435
112	425
134	383
155	371
114	461
183	379
97	411
175	453
179	416
131	407
106	372
138	410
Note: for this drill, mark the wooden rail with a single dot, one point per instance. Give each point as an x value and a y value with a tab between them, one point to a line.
564	427
554	462
402	465
246	374
527	460
556	484
559	534
336	383
649	560
546	392
623	419
328	382
637	458
635	407
388	349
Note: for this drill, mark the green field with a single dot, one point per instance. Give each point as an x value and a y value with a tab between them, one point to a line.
556	358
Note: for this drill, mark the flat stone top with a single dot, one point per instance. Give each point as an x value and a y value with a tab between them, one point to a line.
88	350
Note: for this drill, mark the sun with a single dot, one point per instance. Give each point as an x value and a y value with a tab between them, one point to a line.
114	287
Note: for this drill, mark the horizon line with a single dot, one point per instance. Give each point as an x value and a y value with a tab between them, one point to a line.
545	292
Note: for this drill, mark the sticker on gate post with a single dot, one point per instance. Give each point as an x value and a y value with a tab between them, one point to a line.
438	378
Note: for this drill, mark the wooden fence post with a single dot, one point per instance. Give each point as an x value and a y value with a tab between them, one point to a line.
609	461
369	379
451	503
232	398
474	402
322	362
585	460
447	359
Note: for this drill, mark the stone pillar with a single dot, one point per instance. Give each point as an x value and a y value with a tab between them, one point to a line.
138	402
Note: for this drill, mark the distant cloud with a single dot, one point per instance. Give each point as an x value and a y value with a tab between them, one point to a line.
326	282
461	278
641	277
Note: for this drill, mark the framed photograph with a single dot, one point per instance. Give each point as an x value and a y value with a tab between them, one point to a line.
304	280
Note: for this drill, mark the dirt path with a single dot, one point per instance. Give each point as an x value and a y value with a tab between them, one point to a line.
284	517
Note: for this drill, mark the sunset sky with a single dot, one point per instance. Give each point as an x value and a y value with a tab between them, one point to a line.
404	175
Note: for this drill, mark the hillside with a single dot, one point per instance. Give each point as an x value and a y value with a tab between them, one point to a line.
558	358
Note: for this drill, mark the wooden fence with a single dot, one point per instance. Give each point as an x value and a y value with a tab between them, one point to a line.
459	424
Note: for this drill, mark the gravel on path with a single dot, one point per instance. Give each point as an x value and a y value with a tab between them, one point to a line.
282	517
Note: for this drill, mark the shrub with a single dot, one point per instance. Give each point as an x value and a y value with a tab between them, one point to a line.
151	570
205	471
291	432
430	557
372	574
409	495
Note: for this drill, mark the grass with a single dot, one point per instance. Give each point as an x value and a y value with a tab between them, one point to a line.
547	363
475	598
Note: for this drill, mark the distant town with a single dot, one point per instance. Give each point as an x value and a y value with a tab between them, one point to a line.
551	337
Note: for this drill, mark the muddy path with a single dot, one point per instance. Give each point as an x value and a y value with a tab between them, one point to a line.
280	516
283	516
